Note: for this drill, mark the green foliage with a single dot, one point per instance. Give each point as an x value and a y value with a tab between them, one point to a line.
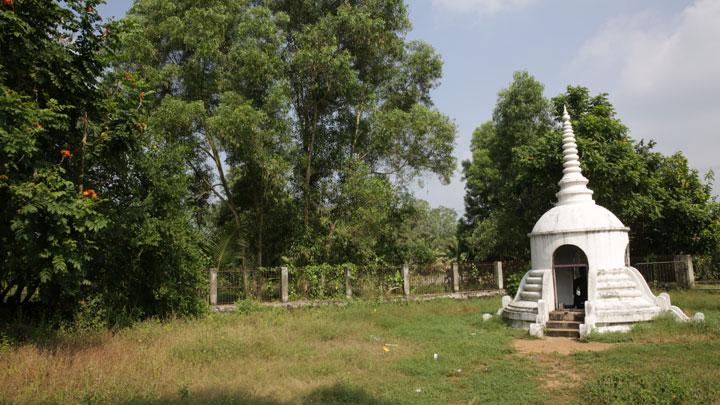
517	161
48	89
427	234
98	219
319	281
314	117
247	305
651	388
512	283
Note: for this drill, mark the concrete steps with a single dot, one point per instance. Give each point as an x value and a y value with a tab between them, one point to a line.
577	315
565	323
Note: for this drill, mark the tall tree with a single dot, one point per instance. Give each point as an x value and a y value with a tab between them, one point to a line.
228	84
98	216
361	93
290	102
49	70
500	199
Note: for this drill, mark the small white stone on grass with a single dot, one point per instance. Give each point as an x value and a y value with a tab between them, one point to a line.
435	356
486	317
698	317
418	390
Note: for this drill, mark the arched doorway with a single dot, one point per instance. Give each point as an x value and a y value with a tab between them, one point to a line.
570	267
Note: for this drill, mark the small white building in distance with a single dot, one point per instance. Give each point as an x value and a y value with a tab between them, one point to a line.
581	279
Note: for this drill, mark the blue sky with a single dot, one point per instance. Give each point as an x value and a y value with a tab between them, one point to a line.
658	59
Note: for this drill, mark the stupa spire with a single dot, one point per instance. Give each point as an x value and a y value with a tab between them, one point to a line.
573	185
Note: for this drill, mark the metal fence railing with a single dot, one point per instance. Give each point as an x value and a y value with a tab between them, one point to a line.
319	282
235	284
376	281
336	281
430	279
477	276
707	269
659	273
677	271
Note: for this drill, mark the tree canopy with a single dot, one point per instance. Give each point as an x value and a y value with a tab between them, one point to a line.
304	109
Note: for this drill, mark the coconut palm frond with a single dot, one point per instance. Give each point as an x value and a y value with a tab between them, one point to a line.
226	246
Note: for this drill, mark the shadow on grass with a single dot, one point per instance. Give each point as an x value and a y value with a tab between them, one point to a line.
333	394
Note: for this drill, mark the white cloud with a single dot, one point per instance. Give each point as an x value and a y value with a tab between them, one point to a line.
481	7
663	76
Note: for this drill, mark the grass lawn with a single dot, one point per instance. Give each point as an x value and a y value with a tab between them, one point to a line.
366	353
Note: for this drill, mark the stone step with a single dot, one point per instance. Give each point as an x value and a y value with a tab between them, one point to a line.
611	285
571	333
608	272
563	325
533	280
532	287
530	295
619	294
567	315
536	273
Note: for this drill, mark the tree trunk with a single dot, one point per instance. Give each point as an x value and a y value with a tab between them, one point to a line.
15	298
5	291
246	282
30	293
308	168
215	155
260	225
83	144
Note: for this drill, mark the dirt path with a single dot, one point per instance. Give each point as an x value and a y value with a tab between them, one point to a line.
560	378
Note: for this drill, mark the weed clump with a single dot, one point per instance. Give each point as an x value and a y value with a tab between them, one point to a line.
247	306
645	388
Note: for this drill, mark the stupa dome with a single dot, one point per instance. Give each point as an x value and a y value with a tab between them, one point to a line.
577	218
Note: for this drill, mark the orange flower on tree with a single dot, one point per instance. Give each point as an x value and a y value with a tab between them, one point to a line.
38	125
89	193
66	153
142	96
7	2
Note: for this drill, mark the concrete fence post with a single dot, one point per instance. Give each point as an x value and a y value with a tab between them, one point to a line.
456	277
348	286
690	272
406	279
284	284
213	286
499	275
684	271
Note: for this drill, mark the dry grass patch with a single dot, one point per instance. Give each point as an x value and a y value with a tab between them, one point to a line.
363	352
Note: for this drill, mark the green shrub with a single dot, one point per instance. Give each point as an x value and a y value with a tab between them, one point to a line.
512	283
246	306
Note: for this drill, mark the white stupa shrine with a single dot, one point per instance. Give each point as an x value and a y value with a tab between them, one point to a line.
581	279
